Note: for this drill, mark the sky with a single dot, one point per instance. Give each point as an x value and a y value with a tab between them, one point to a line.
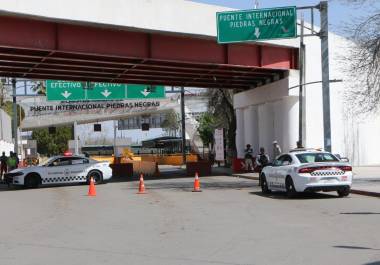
341	14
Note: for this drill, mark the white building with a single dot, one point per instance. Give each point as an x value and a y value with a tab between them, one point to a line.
6	144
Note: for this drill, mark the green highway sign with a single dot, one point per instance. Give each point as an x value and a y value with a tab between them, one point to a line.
62	90
145	91
76	91
257	24
105	91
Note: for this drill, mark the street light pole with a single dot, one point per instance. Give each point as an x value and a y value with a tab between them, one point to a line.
14	105
324	33
183	125
301	83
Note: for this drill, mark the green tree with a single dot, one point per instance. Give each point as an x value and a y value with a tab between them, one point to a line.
52	144
171	123
8	108
363	59
221	107
39	87
206	129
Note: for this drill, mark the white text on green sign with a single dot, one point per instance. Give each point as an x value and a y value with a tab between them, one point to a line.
256	24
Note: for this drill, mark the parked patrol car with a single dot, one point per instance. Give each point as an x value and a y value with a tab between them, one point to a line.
307	170
61	170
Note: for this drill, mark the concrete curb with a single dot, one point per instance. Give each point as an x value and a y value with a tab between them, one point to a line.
366	193
245	177
354	191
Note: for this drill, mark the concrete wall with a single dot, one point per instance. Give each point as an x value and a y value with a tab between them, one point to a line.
6	144
266	114
358	139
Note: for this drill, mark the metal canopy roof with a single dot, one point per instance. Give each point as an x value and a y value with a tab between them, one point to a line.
39	49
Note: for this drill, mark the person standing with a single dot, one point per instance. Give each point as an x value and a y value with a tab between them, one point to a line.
248	156
262	159
276	149
3	165
11	161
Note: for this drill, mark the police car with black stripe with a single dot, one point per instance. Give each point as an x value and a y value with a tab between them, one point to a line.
61	170
303	170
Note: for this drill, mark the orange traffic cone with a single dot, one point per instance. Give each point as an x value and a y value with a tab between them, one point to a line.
91	190
197	186
141	185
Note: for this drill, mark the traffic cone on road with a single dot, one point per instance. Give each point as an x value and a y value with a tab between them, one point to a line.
197	185
141	185
92	190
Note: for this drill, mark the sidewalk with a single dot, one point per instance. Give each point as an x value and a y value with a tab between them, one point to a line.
366	180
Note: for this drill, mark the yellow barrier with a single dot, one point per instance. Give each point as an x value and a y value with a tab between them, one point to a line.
174	160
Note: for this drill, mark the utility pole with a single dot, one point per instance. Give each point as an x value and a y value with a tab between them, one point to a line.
301	82
15	135
324	32
76	145
183	125
256	4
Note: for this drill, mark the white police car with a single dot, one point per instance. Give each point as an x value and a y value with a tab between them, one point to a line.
60	170
307	170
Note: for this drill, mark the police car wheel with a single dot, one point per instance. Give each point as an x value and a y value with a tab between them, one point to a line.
343	192
32	181
290	189
96	175
264	184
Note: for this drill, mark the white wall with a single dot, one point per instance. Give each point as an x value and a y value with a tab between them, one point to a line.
266	114
356	138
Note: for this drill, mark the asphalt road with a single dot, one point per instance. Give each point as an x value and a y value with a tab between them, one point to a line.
230	222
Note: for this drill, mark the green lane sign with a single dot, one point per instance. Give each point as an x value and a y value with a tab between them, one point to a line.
62	90
76	91
257	24
105	91
145	91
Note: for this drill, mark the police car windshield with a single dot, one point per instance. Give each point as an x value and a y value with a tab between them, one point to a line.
316	158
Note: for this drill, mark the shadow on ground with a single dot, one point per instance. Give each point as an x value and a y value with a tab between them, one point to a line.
360	213
300	196
356	248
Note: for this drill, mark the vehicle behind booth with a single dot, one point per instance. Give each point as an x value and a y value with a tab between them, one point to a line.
60	170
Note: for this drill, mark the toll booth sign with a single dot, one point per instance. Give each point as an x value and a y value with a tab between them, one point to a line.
257	24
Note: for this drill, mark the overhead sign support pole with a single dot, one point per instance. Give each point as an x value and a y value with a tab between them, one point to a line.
14	116
324	35
183	125
301	86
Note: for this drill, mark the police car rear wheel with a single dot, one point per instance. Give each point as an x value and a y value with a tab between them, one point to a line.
96	175
343	192
32	181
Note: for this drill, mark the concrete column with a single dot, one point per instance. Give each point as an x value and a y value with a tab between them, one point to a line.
240	133
251	128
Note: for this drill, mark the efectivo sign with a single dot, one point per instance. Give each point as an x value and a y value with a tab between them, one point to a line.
257	24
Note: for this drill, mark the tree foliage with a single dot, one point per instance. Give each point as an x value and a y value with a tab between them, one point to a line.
8	108
206	128
171	123
52	144
364	62
221	107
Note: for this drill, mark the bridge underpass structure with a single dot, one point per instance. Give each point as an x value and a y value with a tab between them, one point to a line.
41	48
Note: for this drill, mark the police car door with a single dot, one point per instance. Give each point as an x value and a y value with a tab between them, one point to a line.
273	176
78	168
57	171
283	171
